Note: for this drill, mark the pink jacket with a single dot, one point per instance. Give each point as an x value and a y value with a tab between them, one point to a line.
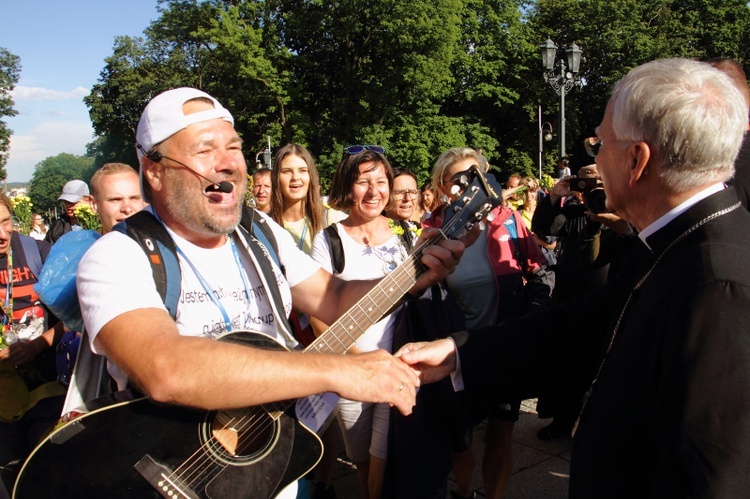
501	249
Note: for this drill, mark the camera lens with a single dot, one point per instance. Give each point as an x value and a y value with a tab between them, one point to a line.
596	200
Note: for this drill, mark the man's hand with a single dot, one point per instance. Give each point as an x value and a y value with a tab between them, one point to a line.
560	190
378	377
440	259
614	222
22	352
433	360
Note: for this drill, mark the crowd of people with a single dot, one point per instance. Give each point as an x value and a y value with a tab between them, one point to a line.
622	285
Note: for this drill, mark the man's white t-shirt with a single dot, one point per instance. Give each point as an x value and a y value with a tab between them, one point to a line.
115	277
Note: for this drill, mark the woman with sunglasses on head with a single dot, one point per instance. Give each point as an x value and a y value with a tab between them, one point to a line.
494	275
371	249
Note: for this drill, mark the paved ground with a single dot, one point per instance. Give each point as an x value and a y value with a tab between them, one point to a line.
540	469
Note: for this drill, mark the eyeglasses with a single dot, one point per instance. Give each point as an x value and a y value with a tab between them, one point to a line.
592	146
356	149
412	193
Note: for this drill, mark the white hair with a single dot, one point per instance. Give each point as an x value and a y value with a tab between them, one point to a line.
690	114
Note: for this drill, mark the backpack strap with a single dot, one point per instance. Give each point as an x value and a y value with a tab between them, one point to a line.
335	248
262	255
150	234
258	228
31	251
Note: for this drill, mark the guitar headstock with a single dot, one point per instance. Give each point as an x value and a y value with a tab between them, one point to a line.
476	198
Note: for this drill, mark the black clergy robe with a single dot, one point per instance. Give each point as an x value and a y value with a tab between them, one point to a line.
669	415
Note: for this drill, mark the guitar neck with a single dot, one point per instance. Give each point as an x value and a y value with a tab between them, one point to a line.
372	307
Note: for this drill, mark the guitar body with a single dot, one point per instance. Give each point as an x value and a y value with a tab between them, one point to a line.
131	449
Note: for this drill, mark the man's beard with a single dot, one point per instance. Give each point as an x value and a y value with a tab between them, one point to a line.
197	215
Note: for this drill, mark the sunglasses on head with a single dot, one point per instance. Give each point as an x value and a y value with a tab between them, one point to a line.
356	149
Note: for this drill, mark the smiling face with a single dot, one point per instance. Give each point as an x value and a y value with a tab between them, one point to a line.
294	179
370	192
404	197
118	195
188	203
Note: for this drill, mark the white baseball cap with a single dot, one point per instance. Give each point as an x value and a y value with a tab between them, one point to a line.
73	191
163	117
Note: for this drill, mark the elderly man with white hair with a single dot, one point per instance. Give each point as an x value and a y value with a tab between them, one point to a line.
668	412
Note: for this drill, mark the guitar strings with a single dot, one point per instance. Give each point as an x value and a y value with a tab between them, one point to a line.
251	422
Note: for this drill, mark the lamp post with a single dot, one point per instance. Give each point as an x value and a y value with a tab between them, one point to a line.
263	158
564	79
545	135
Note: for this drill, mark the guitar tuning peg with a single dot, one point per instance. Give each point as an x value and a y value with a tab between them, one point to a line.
490	217
445	199
455	190
481	226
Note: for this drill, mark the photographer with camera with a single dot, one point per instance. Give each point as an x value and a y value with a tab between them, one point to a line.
588	239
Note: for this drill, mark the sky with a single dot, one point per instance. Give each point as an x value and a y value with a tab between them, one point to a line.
62	45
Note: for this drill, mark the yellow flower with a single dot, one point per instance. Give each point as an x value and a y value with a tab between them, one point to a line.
86	217
398	230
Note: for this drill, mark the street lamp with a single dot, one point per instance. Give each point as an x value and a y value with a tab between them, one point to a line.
545	135
563	80
263	158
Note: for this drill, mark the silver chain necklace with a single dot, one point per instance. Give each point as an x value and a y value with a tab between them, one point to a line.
630	297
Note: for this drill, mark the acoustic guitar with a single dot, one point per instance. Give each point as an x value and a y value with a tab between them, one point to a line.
133	447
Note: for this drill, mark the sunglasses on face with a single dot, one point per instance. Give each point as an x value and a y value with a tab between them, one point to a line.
592	146
356	149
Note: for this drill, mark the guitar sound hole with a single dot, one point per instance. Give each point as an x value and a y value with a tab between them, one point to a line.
240	436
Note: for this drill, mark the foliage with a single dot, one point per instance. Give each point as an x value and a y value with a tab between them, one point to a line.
10	68
417	77
51	174
22	211
86	217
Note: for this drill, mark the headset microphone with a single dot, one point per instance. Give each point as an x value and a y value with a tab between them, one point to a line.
223	186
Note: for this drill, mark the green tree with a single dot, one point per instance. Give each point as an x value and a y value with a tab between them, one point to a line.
417	76
620	34
51	174
212	45
375	72
10	68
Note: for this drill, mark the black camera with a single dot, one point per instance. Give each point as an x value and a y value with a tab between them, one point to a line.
593	193
583	184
